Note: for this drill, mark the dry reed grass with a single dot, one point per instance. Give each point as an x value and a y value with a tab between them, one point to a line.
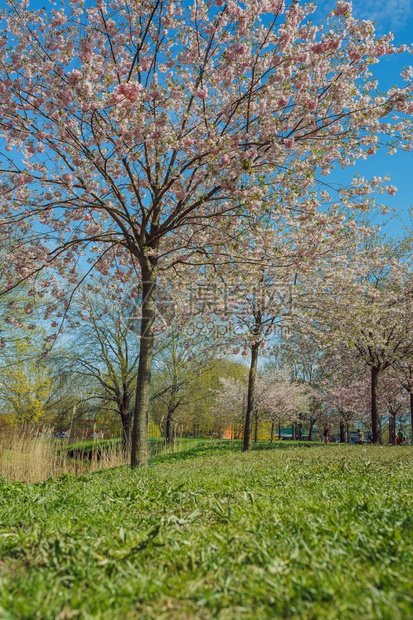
27	458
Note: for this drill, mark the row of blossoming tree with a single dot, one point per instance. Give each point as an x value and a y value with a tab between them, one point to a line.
159	143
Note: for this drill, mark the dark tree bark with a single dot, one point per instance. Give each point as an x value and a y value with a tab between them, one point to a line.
169	434
126	418
342	432
374	413
172	405
392	430
279	431
125	415
256	426
272	431
310	430
411	412
251	396
380	423
139	451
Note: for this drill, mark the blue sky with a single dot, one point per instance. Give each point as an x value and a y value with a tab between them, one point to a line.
395	16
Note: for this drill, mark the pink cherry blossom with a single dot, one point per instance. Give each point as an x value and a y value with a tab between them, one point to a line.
163	162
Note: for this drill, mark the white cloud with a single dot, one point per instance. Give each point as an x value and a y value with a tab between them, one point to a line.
388	14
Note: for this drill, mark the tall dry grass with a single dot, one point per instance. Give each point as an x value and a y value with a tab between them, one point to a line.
27	458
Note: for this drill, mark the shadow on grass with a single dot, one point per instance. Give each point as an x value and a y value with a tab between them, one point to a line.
211	448
87	450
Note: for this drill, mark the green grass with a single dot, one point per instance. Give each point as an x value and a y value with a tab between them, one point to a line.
288	532
207	447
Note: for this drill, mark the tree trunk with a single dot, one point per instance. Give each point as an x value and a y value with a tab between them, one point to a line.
173	395
139	452
279	431
392	430
126	418
272	431
251	396
374	413
310	430
169	435
342	432
411	415
347	433
256	427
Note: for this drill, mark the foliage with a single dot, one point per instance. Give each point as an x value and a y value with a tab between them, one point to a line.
199	392
25	385
102	357
180	363
141	134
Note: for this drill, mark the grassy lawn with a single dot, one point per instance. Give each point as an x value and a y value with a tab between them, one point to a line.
283	532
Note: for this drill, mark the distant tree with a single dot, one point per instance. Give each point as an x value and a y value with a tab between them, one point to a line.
301	357
25	384
394	402
279	400
102	354
364	305
178	366
133	130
